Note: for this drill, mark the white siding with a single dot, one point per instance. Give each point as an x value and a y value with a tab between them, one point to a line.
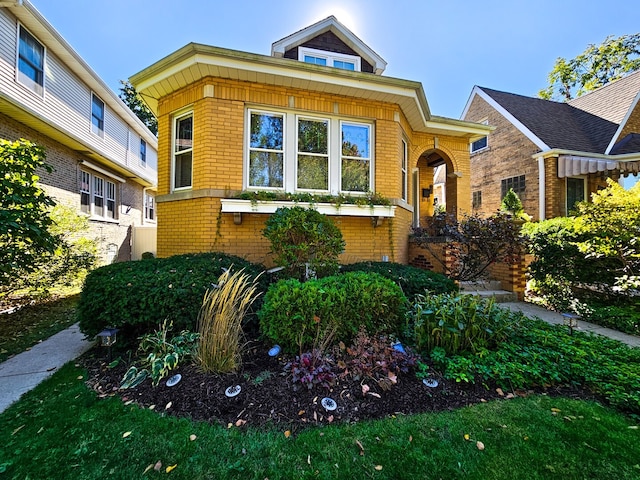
66	102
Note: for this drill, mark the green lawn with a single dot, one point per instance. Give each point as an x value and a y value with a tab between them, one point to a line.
62	430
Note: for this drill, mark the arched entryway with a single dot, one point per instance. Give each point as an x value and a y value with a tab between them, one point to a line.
436	185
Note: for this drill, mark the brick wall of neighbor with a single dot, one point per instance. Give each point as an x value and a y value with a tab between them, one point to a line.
191	221
63	185
509	154
632	125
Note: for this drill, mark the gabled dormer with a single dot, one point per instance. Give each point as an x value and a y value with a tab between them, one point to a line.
331	44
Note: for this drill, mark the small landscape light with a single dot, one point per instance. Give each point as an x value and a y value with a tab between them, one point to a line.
329	404
232	391
430	382
107	338
571	321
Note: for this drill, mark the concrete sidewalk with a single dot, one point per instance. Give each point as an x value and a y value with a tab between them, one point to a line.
23	372
531	310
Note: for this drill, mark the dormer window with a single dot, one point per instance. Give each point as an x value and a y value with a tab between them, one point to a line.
329	59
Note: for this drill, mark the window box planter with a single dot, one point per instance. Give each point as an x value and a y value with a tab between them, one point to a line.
233	205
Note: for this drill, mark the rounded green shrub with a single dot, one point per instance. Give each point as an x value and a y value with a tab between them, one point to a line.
304	239
296	315
412	280
145	294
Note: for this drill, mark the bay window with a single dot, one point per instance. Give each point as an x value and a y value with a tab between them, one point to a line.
291	152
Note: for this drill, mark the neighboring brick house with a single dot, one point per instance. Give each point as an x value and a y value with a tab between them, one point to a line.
316	116
104	157
553	154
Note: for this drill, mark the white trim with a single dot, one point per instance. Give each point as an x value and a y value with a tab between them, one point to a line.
505	113
542	207
234	205
330	57
623	123
327	155
103	171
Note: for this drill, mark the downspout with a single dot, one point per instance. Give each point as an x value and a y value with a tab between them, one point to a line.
541	189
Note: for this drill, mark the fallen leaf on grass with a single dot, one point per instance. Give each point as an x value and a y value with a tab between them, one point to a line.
192	437
18	429
170	467
309	459
80	377
378	467
410	438
480	445
240	422
466	437
149	467
361	447
287	434
555	410
633	427
126	434
157	466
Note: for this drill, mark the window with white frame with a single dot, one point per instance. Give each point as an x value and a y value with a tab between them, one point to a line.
97	196
329	59
149	207
30	61
291	152
313	154
85	192
403	169
481	143
183	151
97	115
266	150
143	153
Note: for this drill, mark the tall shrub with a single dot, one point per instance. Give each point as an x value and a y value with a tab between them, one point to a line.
304	240
143	294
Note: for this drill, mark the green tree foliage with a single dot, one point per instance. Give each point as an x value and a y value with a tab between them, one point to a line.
474	242
511	204
69	263
593	68
130	97
302	240
25	223
595	255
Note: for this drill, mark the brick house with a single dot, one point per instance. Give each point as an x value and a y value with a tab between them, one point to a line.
104	157
553	154
316	116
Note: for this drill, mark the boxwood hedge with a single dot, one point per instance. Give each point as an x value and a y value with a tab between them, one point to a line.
143	294
293	313
412	280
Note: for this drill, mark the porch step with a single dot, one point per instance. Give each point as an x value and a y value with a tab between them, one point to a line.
489	288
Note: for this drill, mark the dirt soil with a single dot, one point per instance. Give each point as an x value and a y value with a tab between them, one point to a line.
267	395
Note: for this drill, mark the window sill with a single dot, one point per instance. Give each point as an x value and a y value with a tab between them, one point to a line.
233	205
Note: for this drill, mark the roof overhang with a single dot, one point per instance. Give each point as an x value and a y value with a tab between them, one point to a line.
343	33
194	62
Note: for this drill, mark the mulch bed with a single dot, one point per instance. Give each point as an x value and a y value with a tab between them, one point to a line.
268	396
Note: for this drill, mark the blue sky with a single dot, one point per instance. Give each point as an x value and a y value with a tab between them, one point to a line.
449	45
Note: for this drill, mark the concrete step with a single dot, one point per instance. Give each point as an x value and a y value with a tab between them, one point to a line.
500	296
480	285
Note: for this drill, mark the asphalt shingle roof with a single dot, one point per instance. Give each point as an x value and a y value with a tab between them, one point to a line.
558	125
585	124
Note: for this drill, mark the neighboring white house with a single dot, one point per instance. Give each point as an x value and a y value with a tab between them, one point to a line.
105	158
